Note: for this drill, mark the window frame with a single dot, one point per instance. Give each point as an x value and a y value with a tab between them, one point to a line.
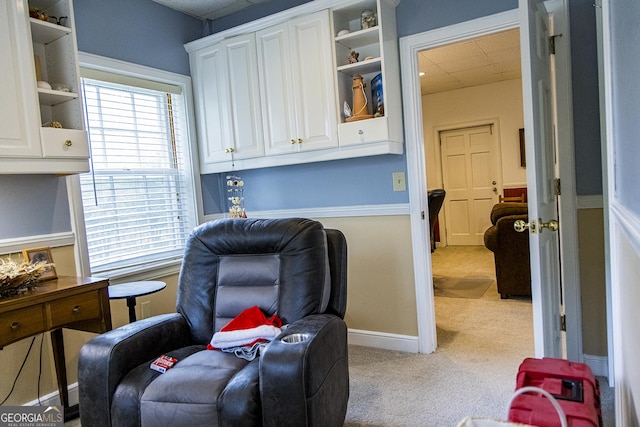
155	269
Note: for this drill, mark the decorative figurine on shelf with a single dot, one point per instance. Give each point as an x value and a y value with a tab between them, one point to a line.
359	101
368	19
353	57
235	189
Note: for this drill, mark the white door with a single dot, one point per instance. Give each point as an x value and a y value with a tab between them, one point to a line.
469	176
538	123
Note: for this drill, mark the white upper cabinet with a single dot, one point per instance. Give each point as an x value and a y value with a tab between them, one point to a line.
227	101
271	92
42	124
296	85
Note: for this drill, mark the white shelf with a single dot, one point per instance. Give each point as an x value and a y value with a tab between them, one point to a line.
52	97
359	38
362	67
45	32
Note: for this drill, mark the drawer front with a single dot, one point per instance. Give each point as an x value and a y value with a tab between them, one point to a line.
68	143
363	131
76	308
22	323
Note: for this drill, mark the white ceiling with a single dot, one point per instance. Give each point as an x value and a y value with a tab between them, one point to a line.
209	9
478	61
474	62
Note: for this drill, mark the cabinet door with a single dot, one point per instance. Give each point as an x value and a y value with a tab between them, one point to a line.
19	115
213	109
276	90
244	97
313	81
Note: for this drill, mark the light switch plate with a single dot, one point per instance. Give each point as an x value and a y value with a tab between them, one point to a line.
399	183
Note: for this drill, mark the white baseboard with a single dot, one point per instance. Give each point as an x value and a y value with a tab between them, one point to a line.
407	343
598	364
53	398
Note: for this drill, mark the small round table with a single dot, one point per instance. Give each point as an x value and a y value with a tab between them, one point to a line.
132	290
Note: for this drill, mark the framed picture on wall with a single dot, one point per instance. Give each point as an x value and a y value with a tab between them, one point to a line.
523	153
43	254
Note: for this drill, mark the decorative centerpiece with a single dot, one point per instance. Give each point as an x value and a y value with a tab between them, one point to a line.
235	190
17	277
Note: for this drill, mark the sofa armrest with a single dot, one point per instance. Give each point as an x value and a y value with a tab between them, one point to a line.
491	238
107	358
311	376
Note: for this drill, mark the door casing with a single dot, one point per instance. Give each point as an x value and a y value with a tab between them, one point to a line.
414	132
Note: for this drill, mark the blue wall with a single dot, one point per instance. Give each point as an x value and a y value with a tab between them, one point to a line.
625	60
138	31
32	205
147	33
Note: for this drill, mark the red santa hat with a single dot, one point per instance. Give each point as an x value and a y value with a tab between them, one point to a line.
247	328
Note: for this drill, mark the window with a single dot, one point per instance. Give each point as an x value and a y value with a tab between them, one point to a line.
138	198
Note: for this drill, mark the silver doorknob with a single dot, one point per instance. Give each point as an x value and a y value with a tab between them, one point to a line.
521	226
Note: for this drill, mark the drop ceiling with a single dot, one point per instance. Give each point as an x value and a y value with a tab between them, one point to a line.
209	9
482	60
486	59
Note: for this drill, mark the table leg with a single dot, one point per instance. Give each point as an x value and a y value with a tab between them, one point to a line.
131	303
57	343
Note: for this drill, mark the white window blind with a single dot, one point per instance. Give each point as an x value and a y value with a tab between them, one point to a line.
138	197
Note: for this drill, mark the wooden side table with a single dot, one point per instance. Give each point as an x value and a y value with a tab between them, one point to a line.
80	303
132	290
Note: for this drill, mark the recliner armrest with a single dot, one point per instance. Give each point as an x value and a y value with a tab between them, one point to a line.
107	358
310	376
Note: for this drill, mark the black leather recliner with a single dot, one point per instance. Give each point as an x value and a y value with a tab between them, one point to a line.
290	267
436	199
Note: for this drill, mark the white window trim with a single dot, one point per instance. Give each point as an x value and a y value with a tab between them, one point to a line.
97	62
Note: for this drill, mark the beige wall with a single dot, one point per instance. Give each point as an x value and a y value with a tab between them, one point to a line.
458	108
381	297
12	356
592	281
381	287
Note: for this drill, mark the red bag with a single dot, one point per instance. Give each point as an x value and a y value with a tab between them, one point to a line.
572	384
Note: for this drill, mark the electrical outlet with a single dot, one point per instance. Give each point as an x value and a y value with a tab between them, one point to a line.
145	309
399	183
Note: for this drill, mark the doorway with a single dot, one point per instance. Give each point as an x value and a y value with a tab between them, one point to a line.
414	132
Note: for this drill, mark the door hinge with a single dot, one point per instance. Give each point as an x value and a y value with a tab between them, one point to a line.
552	43
563	322
557	186
422	215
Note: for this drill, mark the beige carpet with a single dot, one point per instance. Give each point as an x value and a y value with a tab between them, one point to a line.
481	343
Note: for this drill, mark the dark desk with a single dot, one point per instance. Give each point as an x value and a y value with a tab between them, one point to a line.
80	303
132	290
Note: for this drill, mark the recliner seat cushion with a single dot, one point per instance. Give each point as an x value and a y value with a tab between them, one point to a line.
192	392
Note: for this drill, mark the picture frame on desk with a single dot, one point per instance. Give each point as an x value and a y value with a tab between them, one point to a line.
42	254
